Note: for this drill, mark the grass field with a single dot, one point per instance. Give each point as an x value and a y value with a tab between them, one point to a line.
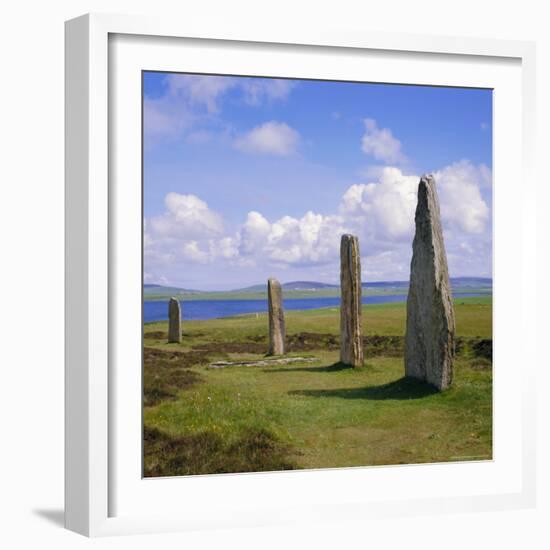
316	414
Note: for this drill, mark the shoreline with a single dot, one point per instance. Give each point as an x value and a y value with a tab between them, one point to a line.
463	296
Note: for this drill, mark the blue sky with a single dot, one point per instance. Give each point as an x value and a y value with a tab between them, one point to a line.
246	178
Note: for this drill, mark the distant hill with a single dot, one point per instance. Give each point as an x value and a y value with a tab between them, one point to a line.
152	289
294	285
304	288
307	285
473	282
253	288
386	284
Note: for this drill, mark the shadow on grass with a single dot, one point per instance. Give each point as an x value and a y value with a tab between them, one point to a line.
404	388
328	368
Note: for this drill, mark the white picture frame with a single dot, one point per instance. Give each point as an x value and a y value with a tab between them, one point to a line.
93	232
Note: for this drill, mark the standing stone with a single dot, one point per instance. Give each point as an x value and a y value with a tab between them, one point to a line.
276	318
174	321
351	341
430	333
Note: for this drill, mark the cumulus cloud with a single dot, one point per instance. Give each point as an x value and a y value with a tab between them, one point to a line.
386	265
270	138
226	248
253	233
310	240
381	212
207	90
387	205
188	230
203	90
192	252
257	91
462	206
194	100
381	144
187	217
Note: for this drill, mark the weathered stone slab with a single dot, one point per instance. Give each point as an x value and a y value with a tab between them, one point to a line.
174	321
276	318
351	342
262	362
430	332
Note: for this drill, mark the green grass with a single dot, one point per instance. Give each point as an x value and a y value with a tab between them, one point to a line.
311	415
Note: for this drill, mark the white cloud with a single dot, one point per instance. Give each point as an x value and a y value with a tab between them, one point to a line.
192	252
270	138
386	206
462	206
204	90
147	240
226	248
257	91
187	217
191	101
485	176
311	239
157	279
382	215
387	265
381	212
207	90
253	233
380	143
188	230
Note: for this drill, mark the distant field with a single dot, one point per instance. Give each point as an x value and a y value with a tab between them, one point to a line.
311	414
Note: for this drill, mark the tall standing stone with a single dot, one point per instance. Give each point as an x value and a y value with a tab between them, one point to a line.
174	321
430	333
276	318
351	341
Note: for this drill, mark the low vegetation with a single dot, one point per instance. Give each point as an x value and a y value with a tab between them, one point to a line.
315	414
207	452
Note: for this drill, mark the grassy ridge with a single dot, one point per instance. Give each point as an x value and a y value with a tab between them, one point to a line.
311	415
